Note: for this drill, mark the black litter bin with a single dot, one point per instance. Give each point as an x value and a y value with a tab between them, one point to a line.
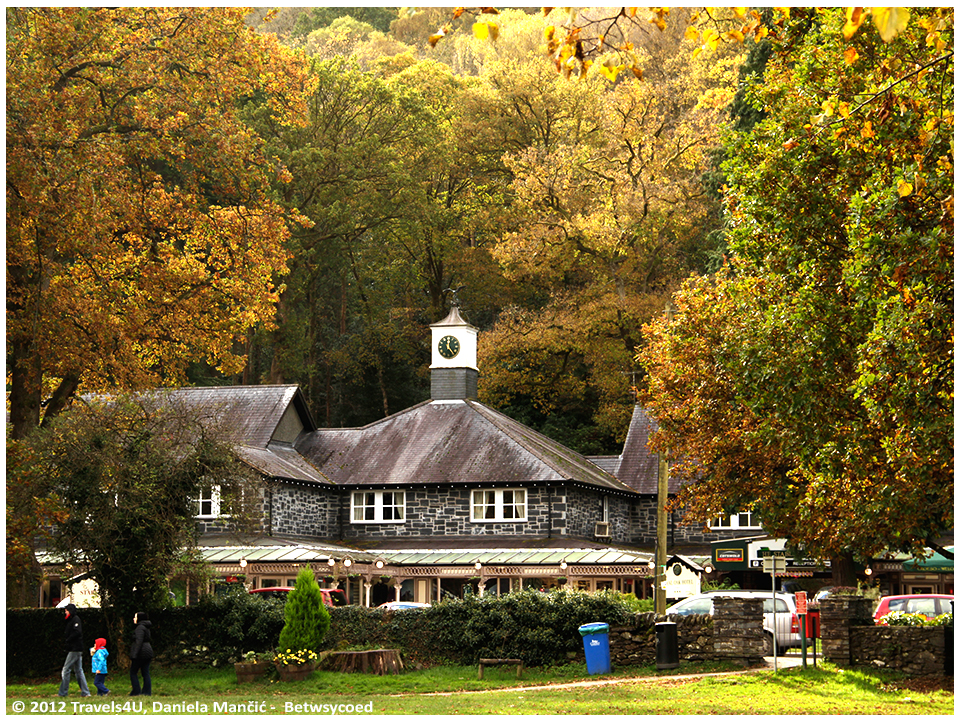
668	656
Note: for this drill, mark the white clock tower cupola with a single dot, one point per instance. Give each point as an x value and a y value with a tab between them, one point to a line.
453	367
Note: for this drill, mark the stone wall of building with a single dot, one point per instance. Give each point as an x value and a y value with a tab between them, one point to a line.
445	511
644	530
912	650
303	510
584	509
324	512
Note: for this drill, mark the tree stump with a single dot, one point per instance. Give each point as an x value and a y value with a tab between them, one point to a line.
375	662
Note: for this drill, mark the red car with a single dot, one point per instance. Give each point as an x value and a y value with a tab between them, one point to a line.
332	597
929	605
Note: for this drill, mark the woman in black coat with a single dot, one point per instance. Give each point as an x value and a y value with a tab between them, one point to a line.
141	653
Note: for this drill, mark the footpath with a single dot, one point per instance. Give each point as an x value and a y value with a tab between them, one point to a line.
783	663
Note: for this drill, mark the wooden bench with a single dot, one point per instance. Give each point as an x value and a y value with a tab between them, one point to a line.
501	661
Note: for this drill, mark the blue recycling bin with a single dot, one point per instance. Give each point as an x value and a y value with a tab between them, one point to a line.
596	646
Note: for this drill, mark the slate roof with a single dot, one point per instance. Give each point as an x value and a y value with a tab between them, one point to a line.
639	467
458	442
250	415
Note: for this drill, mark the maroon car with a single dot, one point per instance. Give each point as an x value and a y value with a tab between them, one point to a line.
332	597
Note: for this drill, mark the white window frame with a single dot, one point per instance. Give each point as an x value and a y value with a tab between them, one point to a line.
737	521
209	495
488	505
359	504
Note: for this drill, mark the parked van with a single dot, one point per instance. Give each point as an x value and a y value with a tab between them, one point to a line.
788	623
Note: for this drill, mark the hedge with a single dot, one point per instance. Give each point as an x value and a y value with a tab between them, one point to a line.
216	631
540	628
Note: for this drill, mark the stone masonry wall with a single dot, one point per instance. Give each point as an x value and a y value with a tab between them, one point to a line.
312	512
738	629
584	510
303	511
445	511
644	529
636	644
912	650
838	614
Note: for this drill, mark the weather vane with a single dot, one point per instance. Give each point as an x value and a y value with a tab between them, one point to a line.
456	295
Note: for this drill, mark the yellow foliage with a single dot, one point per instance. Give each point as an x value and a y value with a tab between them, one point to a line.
890	21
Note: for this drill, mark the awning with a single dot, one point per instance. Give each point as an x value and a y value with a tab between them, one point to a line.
934	562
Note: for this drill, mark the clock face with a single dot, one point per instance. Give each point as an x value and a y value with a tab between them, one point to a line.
448	346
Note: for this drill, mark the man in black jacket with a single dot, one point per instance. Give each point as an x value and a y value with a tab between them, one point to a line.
73	638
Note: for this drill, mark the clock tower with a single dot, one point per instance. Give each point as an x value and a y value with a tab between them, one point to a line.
453	367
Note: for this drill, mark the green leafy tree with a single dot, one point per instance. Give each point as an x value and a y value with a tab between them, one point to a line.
402	205
306	618
813	380
126	474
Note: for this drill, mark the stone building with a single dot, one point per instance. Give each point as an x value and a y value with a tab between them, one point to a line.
445	494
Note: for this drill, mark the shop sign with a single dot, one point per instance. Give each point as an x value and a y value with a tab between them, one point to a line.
730	555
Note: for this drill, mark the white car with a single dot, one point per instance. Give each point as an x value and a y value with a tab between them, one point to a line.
788	623
402	605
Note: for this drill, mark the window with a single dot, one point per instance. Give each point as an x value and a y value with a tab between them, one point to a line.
381	506
208	504
499	505
738	520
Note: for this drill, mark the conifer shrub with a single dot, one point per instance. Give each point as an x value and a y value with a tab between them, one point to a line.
306	619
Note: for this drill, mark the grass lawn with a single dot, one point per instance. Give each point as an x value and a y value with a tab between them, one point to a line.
457	691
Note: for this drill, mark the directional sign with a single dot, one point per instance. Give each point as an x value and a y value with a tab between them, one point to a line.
774	564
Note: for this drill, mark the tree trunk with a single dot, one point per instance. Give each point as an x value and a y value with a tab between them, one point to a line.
376	662
24	387
843	573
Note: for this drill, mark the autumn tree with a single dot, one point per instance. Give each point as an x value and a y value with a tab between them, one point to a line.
140	233
615	213
126	473
813	381
398	199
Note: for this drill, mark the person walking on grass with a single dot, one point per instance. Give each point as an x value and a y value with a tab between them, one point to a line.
73	639
141	653
99	665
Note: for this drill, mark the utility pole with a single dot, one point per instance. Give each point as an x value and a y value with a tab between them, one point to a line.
663	474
